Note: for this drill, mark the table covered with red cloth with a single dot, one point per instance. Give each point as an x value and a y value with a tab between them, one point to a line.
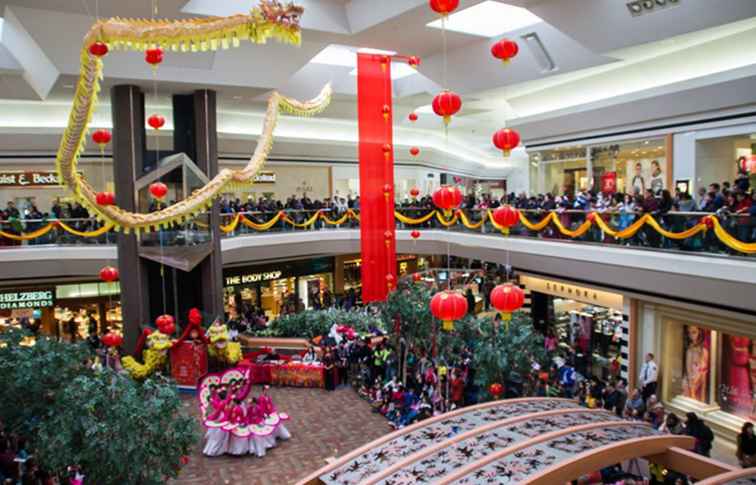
298	375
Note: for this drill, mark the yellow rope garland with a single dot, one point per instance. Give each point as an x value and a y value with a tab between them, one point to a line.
457	217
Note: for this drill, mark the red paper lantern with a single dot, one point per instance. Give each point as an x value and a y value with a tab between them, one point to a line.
505	217
447	104
386	111
101	137
417	277
112	339
156	121
109	274
153	56
415	234
184	460
496	389
448	306
195	317
444	7
505	50
412	117
166	324
414	192
98	49
387	236
387	149
414	151
390	281
447	197
105	198
158	190
507	298
506	140
413	61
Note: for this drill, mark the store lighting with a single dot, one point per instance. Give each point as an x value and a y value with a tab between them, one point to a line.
648	4
488	19
346	56
635	8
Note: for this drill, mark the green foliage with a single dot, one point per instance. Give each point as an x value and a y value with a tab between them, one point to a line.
411	305
32	376
118	430
502	353
312	323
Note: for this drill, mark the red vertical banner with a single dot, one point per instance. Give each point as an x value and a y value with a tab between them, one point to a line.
376	151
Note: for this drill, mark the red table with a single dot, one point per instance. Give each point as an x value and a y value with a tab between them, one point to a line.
286	374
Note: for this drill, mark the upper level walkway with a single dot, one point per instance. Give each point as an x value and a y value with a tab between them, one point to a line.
676	257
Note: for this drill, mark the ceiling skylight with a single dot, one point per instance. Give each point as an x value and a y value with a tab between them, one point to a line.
346	56
489	19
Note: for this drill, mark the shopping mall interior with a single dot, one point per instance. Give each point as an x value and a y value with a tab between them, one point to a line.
344	242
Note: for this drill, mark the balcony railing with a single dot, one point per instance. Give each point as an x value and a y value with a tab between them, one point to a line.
693	232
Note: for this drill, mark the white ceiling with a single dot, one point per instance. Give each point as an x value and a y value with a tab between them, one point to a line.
607	64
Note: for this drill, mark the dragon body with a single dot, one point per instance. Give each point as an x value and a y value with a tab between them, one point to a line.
155	357
270	20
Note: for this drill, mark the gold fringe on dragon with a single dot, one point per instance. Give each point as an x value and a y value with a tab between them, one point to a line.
270	20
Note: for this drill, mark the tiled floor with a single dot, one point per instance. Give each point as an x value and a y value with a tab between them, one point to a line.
323	424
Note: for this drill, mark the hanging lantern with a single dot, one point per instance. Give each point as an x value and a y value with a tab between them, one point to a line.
156	121
112	339
109	274
390	281
447	197
414	151
158	190
386	151
102	138
98	49
505	217
505	50
447	104
415	234
184	460
387	191
416	277
166	324
448	306
496	390
444	7
414	192
105	198
386	112
506	140
385	60
387	236
412	117
507	298
153	56
413	61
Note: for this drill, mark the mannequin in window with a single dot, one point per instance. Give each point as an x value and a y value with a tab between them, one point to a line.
739	374
696	374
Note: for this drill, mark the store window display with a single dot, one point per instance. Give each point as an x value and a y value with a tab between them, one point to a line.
696	369
736	393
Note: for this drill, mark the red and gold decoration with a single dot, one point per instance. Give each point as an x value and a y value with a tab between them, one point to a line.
444	7
387	189
506	140
417	277
414	151
166	324
447	104
413	61
505	217
412	117
505	50
158	190
101	138
414	192
507	298
105	198
496	390
448	306
109	274
415	234
374	88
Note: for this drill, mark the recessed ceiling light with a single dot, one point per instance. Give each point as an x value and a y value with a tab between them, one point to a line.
237	97
489	19
648	4
635	8
646	142
68	86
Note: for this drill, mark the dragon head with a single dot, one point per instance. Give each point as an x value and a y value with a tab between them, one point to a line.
218	335
276	12
159	341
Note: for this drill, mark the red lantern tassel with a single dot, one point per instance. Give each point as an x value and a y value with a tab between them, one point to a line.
448	325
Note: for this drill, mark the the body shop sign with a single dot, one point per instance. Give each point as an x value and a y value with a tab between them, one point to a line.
12	300
29	179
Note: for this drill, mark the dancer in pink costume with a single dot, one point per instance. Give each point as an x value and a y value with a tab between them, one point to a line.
238	441
217	437
270	411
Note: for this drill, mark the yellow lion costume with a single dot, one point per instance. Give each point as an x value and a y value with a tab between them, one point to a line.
155	357
221	347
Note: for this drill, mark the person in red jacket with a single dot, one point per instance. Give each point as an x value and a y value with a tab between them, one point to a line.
458	389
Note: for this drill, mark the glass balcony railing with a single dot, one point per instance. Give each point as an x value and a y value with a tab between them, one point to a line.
690	232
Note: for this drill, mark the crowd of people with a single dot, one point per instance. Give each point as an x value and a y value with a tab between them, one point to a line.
19	467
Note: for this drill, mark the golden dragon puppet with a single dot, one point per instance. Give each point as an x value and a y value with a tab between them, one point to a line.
270	20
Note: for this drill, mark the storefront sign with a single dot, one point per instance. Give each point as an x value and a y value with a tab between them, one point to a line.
252	278
29	179
26	299
583	294
265	178
609	183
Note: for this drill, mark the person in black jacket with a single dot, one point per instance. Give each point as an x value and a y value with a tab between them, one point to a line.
697	429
